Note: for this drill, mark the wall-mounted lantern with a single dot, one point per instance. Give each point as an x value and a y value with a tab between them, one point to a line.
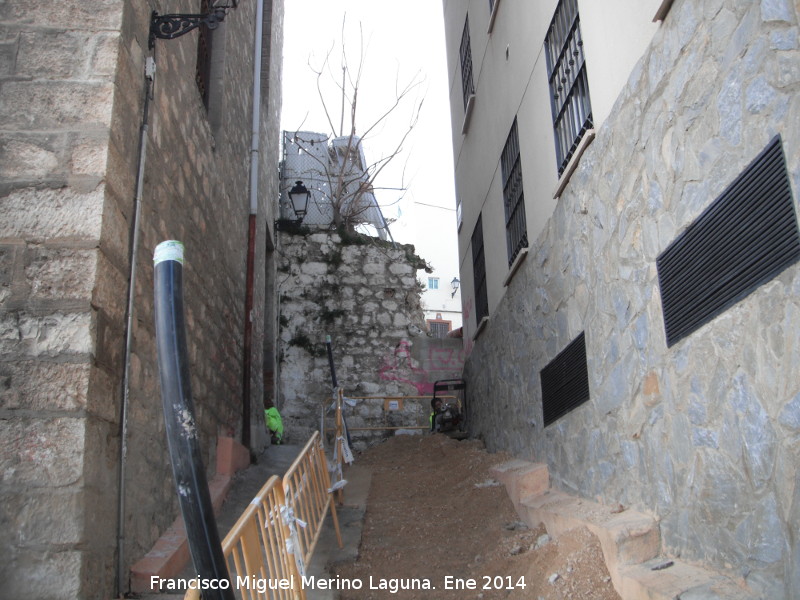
299	196
454	284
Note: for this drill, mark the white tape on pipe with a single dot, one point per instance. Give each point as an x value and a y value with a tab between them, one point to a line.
169	250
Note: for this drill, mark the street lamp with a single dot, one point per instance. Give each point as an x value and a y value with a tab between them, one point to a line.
299	196
454	284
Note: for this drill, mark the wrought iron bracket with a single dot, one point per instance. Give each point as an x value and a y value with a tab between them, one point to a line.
169	27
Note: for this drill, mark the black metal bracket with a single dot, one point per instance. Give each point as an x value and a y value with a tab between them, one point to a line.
169	27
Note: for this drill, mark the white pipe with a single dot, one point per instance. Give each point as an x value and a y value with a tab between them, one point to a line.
256	119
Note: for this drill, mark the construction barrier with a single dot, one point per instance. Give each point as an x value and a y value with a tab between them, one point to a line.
272	541
307	486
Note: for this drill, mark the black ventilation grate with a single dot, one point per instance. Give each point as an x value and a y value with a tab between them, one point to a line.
565	381
746	237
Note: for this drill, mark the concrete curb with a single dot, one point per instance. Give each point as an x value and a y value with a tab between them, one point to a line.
170	554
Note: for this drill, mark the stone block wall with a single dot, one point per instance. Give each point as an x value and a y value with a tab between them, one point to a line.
367	298
57	397
72	92
705	434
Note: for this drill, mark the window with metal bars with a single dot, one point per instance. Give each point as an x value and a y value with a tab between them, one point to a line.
439	328
746	237
466	65
513	197
565	381
203	68
479	272
569	86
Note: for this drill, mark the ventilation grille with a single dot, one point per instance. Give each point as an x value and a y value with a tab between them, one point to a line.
746	237
565	381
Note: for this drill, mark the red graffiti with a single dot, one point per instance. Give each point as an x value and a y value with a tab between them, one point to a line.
400	366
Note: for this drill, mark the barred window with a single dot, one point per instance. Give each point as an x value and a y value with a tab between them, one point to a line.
569	87
513	197
439	328
203	68
466	65
479	272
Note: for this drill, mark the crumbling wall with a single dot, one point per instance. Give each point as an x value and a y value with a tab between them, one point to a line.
364	294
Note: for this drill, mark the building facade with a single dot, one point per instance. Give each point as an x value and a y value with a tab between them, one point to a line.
626	178
112	141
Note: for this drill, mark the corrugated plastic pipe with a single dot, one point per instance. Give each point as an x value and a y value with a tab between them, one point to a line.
179	420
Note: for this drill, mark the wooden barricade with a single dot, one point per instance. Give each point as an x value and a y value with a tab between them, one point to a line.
272	541
307	485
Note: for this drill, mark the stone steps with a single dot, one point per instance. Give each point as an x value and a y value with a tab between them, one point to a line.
630	540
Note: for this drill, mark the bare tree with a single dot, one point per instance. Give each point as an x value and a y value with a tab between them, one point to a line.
351	180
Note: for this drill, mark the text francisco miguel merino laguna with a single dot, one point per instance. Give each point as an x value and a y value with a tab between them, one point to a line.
261	585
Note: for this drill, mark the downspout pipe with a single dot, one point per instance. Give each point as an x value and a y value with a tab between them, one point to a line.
120	578
251	225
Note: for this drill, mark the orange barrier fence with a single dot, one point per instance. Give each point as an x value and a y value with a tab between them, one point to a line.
307	486
272	541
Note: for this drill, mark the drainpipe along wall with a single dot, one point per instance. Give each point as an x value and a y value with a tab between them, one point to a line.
119	580
251	229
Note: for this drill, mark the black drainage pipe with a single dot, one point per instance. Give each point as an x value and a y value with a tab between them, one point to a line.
179	419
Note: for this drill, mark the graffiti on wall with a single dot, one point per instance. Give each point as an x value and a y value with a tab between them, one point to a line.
437	363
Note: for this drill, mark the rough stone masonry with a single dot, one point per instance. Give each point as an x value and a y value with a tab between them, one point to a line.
364	293
705	434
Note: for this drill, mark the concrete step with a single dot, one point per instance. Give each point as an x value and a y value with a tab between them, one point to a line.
630	540
679	580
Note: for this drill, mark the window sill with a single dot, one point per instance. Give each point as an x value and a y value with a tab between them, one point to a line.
662	10
587	139
493	15
515	265
468	114
481	327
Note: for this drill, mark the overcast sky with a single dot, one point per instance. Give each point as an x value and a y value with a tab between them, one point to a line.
403	41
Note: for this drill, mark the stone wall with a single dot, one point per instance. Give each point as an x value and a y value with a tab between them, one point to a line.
71	103
57	72
705	434
367	298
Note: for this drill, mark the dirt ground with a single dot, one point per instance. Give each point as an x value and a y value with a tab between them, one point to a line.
434	512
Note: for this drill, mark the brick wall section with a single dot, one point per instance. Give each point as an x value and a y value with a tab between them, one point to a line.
71	98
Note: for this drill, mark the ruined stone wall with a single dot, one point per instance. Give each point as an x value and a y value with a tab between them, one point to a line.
367	298
705	433
71	103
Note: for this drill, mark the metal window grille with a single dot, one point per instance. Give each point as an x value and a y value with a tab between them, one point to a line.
565	381
203	68
479	272
466	64
569	86
513	197
743	239
439	329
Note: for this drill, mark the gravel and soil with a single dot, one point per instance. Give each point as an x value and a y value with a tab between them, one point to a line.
435	518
